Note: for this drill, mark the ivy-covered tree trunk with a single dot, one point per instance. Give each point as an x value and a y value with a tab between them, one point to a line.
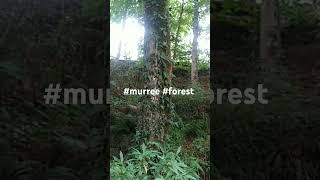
158	67
194	53
270	41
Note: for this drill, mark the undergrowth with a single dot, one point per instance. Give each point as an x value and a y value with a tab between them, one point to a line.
155	161
184	153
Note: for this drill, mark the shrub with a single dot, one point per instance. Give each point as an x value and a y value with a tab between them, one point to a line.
192	106
153	161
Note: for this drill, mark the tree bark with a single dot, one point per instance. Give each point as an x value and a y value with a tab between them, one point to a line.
270	41
157	62
194	53
178	32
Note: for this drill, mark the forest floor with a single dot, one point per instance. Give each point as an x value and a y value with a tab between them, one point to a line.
275	140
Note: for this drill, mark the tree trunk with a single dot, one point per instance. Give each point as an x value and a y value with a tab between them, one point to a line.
270	40
157	60
122	30
194	53
178	32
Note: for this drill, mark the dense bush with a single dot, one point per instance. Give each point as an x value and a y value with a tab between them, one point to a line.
194	105
153	161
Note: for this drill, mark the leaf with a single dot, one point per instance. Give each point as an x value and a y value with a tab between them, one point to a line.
121	156
179	150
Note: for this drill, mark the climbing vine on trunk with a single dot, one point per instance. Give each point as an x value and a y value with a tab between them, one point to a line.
158	68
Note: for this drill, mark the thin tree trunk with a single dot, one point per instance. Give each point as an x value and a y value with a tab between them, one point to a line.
270	41
122	30
157	61
194	53
175	47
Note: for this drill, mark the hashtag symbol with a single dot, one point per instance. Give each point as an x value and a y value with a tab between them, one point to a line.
126	91
52	94
165	91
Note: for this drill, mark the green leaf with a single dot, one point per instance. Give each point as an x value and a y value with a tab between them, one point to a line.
121	156
179	150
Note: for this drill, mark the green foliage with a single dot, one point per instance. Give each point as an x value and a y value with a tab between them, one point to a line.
184	67
186	20
192	106
121	8
183	53
46	131
181	26
239	13
299	12
46	43
193	134
201	146
188	130
153	161
203	65
93	8
245	13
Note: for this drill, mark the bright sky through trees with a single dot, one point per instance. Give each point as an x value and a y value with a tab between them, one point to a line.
133	35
